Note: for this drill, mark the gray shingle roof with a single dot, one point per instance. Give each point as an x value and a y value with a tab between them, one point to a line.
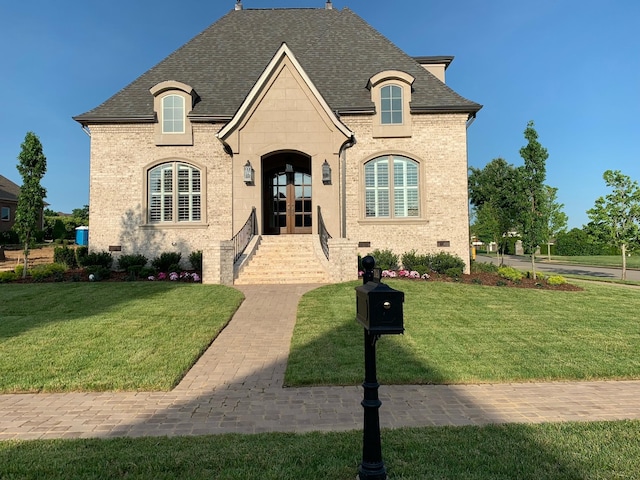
338	50
8	190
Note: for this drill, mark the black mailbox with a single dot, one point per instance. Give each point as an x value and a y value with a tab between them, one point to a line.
379	308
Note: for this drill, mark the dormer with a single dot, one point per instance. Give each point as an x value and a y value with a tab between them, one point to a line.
436	65
391	94
172	103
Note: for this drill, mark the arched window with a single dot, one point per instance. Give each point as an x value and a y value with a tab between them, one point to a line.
173	114
174	193
391	105
391	187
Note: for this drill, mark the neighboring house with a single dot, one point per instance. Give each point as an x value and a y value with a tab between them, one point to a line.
298	113
9	192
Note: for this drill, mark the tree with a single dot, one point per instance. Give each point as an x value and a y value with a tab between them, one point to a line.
616	215
32	166
491	195
531	193
81	215
556	218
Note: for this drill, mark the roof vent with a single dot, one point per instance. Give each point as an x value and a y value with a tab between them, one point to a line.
328	5
238	4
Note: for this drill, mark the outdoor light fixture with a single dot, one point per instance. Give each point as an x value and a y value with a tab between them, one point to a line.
248	173
326	173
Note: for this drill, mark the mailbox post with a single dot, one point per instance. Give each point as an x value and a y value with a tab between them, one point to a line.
379	311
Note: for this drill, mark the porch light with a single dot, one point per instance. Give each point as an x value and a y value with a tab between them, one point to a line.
248	173
326	173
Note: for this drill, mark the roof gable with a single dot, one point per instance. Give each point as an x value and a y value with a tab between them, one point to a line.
338	51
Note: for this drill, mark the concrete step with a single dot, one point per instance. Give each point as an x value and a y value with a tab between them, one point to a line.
283	259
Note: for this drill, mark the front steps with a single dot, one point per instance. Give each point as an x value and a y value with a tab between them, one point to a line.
283	259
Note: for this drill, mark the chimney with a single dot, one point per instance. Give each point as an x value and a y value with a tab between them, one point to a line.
238	4
328	5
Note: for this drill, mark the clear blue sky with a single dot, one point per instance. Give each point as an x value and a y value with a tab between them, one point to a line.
572	66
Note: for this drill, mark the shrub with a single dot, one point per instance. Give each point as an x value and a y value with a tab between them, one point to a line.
81	254
9	276
99	272
126	262
441	262
65	256
9	238
413	261
454	272
98	259
510	273
483	267
556	280
195	259
385	259
164	262
18	270
146	272
43	272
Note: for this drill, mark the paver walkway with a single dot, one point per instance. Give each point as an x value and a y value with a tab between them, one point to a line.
237	387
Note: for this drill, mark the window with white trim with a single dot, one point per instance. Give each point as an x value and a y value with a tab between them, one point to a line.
5	214
391	105
175	193
173	114
391	187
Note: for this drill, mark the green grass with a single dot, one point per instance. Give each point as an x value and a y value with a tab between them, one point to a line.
57	337
596	260
567	451
459	333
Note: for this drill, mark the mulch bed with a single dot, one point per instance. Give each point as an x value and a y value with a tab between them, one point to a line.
492	279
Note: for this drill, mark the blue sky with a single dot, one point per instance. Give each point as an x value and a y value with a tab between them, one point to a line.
571	66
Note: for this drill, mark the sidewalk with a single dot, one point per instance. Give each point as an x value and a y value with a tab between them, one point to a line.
237	387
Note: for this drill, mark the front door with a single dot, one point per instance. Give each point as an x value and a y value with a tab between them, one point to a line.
289	202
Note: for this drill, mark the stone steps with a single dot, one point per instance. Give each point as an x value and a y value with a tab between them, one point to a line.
282	259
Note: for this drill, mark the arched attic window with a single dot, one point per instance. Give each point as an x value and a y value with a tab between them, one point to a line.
172	102
391	93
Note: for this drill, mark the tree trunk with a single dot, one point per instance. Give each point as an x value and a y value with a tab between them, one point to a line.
26	259
624	261
533	265
2	255
549	251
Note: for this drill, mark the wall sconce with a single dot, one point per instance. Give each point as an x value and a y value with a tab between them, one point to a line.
248	173
326	173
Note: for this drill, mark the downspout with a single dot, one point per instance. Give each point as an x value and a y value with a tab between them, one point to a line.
343	184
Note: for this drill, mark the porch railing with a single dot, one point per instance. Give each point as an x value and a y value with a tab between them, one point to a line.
324	234
243	237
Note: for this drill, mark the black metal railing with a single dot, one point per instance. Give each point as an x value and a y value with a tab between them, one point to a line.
324	234
243	237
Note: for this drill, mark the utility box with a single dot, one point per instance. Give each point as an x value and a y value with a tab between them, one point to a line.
379	308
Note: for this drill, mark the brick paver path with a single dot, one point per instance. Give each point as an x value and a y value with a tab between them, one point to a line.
237	387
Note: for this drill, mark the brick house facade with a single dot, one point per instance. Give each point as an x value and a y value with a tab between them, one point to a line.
293	113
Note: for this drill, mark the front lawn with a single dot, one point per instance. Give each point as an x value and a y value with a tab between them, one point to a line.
563	451
459	333
57	337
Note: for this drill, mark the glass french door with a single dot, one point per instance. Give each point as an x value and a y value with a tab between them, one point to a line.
290	201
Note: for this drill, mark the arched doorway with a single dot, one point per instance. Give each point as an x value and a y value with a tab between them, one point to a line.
287	194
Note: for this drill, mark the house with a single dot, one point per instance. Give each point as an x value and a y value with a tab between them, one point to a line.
9	192
310	119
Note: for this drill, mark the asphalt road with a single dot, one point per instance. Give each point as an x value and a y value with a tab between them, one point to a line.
562	269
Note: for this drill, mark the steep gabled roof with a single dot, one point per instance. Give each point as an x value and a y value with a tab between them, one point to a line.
8	190
338	50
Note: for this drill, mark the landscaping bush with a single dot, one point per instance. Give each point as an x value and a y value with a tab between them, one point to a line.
137	261
556	280
9	238
99	272
195	259
510	273
65	256
454	272
441	262
9	276
385	259
166	261
43	272
81	254
483	267
416	262
97	259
